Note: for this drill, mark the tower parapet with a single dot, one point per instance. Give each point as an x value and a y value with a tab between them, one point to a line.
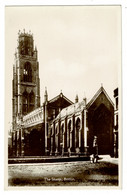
26	44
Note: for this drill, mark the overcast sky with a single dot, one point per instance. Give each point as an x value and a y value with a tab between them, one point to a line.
79	47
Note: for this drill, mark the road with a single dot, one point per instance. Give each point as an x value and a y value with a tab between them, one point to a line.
64	174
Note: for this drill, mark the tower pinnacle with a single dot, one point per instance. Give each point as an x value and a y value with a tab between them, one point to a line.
45	95
76	98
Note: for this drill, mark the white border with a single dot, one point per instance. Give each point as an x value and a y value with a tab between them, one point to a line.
4	3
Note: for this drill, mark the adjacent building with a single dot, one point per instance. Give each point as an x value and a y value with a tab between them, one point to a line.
116	124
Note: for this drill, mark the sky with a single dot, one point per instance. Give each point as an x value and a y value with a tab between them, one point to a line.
79	48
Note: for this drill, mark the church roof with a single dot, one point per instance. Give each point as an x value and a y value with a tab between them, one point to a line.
77	107
74	108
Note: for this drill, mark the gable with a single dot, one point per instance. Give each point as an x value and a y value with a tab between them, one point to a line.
56	104
59	101
99	100
101	97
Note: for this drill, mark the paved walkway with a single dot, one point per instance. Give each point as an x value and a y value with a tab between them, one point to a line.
52	159
47	159
108	158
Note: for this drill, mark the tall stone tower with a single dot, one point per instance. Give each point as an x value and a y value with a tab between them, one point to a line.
26	82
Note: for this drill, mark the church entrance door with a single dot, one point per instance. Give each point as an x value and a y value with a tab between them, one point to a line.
102	128
35	149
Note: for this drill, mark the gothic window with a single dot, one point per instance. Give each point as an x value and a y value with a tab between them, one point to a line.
68	134
25	103
61	133
31	101
22	46
77	132
26	47
27	72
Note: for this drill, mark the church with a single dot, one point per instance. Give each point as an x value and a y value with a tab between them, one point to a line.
58	126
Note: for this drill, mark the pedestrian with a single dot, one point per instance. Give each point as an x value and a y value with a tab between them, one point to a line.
95	149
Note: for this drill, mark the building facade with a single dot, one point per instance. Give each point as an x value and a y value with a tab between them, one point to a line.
58	126
73	130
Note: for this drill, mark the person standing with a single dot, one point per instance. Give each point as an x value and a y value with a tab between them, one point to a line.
95	149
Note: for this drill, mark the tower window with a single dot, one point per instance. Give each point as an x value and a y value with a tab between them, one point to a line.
31	101
27	72
25	103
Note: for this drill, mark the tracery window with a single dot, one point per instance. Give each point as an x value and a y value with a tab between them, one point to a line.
31	101
25	102
77	131
27	72
61	133
68	134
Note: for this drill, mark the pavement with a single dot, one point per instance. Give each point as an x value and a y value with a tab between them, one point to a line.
47	159
108	158
53	159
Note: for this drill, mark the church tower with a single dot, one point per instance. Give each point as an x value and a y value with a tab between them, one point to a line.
26	82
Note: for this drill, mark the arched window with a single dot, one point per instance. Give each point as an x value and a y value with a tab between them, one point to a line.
31	101
77	131
68	134
25	103
27	72
61	133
